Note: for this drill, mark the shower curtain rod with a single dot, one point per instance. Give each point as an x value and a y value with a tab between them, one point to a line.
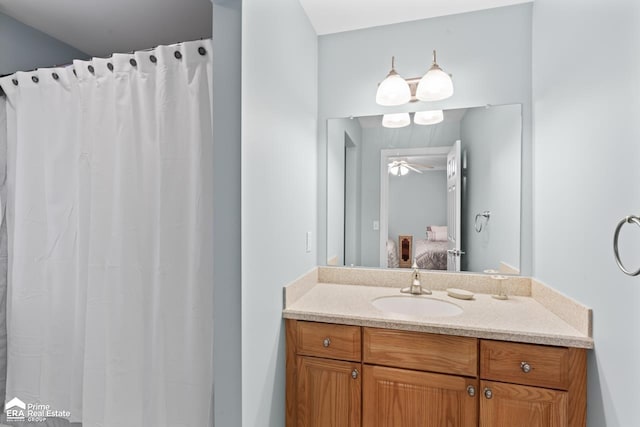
149	49
36	69
71	63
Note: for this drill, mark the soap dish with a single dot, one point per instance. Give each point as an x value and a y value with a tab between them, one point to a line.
459	293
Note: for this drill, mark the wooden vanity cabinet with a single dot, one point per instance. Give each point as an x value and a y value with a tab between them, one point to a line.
416	379
348	376
324	368
406	398
527	385
513	405
327	393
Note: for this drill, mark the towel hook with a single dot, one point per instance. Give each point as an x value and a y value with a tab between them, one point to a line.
478	225
626	220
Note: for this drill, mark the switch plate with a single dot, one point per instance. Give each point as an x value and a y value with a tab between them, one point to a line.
308	242
376	225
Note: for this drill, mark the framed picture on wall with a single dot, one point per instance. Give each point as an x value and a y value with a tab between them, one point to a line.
405	244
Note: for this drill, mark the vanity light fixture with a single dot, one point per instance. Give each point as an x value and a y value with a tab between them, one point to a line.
396	120
435	85
431	117
394	90
400	120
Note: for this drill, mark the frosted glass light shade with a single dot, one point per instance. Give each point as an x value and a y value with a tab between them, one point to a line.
396	120
394	90
398	169
435	85
428	117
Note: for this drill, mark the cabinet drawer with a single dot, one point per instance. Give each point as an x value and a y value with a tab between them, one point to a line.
421	351
329	341
527	364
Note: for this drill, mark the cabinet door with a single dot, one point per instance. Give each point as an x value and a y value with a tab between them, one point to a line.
511	405
405	398
328	393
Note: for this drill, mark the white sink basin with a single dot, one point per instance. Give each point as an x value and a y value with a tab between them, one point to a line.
416	305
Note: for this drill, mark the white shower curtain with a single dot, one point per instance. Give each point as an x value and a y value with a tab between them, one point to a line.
109	220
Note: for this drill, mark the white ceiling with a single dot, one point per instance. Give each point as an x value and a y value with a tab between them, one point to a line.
102	27
334	16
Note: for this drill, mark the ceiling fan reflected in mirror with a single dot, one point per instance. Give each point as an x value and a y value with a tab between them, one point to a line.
402	167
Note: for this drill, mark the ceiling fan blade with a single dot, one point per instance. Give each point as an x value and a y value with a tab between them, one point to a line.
408	166
420	166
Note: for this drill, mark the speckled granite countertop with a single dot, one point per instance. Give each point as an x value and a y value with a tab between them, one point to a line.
519	319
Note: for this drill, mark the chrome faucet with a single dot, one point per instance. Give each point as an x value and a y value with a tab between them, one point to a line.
415	288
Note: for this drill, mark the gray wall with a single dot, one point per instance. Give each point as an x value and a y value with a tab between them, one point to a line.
586	99
415	202
279	182
23	48
336	133
353	201
488	53
226	215
491	142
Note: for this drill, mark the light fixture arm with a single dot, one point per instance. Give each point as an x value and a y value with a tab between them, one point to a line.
434	65
393	67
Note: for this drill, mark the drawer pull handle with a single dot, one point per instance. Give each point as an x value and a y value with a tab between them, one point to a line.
326	342
354	374
488	393
471	390
526	368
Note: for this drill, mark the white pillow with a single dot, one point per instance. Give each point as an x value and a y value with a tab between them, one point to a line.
437	233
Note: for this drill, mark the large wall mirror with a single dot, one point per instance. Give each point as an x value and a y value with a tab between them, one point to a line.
451	190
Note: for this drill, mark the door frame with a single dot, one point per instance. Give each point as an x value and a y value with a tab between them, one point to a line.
454	207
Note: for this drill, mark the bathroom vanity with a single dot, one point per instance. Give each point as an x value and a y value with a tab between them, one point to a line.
349	364
341	375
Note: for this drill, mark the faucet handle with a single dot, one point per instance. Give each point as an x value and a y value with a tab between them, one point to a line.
416	273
